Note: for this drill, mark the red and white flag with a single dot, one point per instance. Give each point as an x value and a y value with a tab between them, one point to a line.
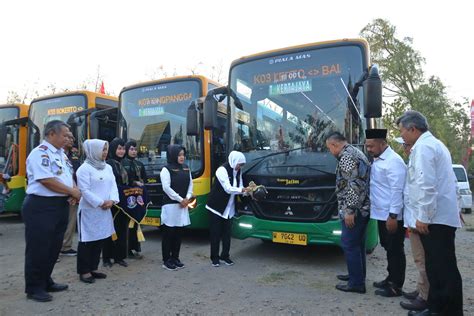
102	91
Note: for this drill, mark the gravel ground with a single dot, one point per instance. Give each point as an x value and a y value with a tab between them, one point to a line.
267	279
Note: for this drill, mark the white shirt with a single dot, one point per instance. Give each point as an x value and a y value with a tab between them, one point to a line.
173	214
233	190
387	180
96	187
431	183
47	161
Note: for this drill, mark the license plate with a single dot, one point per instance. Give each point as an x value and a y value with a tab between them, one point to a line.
151	221
290	238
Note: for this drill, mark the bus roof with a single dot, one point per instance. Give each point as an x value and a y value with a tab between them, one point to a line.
169	79
75	92
23	108
344	41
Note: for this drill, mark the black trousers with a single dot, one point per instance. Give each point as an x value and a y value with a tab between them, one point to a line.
117	249
394	246
220	229
171	242
88	256
46	220
445	294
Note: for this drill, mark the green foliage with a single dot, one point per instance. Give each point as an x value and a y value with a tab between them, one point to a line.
406	88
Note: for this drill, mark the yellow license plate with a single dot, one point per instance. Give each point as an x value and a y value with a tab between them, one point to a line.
151	221
290	238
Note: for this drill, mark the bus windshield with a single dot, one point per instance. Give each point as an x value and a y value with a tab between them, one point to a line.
155	116
293	101
58	108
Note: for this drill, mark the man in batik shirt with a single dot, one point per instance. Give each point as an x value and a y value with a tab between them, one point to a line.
352	190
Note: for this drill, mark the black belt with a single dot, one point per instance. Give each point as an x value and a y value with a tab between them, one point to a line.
55	198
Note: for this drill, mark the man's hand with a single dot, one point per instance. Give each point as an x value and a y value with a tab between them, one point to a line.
349	220
392	225
75	193
184	203
72	201
422	228
107	204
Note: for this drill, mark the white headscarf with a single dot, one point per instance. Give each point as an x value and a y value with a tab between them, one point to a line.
93	149
236	157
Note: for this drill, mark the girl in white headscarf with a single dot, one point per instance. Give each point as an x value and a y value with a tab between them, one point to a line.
99	191
221	204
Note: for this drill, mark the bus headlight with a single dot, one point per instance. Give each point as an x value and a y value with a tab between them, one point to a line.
245	225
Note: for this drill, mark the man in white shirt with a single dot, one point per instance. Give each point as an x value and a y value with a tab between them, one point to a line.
432	197
387	180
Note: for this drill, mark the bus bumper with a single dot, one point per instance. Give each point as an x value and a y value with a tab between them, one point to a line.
328	233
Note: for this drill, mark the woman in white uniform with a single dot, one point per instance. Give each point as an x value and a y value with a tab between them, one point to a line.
99	191
178	187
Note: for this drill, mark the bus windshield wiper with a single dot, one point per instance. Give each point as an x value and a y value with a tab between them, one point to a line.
303	166
262	158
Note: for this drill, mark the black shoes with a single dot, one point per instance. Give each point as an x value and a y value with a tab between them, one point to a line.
227	261
410	295
178	264
389	291
347	288
343	277
70	253
99	275
40	297
56	287
381	284
417	304
134	255
84	279
425	312
215	263
169	265
121	263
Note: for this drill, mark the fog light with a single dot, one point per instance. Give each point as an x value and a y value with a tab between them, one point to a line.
245	225
337	232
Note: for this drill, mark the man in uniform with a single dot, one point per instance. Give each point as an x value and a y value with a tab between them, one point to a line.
387	180
45	210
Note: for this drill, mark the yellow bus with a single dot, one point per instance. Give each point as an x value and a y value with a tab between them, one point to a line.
90	114
282	105
13	130
154	114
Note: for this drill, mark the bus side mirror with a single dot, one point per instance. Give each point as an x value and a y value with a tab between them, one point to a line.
373	94
210	107
192	119
94	126
3	135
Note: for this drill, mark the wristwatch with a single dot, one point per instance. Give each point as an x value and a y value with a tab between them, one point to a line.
392	215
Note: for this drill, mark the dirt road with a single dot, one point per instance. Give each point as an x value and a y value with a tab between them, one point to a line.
267	279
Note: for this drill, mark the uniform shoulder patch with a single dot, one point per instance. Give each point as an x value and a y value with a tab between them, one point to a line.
43	147
45	162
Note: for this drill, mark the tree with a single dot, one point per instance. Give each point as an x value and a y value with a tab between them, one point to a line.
405	87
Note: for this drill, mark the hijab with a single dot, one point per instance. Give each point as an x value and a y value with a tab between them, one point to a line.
113	148
172	156
129	144
93	149
236	157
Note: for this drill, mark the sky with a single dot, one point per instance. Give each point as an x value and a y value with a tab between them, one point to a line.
66	43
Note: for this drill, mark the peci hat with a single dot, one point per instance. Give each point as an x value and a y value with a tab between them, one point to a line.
375	133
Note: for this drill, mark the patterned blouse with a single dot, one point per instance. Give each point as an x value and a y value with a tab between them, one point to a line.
352	182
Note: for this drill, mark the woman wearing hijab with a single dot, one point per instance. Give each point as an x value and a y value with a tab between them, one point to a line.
221	204
136	177
117	249
178	187
96	181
